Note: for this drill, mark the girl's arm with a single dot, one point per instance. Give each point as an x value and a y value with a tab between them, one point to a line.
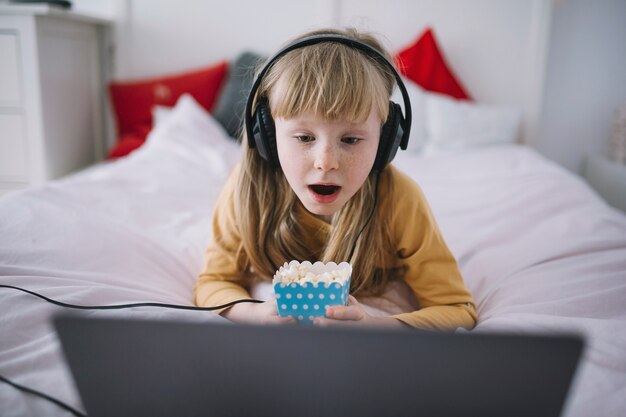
223	278
256	313
431	270
444	318
353	314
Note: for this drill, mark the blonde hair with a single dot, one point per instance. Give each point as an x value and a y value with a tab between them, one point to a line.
331	80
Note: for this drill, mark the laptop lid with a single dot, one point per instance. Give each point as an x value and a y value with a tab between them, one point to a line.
130	367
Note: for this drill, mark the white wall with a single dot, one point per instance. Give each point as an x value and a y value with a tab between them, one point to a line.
585	79
490	44
161	36
496	47
561	61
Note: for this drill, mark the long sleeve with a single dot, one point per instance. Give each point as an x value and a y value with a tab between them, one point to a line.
430	268
222	278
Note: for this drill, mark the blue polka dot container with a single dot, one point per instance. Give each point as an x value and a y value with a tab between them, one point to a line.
305	290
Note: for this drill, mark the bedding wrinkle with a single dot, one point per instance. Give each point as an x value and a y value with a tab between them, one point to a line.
29	354
51	241
525	290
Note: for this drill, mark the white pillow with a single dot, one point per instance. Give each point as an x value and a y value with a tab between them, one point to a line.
457	125
187	121
189	129
417	138
159	114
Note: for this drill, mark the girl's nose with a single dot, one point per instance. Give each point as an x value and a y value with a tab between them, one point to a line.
327	158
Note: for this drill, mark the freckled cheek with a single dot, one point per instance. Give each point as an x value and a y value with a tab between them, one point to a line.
295	166
362	162
290	155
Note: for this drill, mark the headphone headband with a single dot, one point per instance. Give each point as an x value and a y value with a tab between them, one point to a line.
320	38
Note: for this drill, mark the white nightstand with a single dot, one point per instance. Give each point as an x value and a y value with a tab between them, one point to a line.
51	93
608	178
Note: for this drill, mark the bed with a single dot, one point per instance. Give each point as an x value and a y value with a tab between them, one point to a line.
538	248
540	251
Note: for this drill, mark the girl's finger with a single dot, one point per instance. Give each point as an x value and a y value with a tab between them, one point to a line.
321	322
324	322
344	313
282	320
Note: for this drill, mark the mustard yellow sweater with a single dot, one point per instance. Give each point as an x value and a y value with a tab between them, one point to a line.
430	269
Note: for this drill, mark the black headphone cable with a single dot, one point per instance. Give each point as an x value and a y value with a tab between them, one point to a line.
47	397
60	403
132	305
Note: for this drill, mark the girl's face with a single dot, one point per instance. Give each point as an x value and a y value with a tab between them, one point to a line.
324	162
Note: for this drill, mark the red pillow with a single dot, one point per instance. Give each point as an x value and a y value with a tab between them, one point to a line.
133	101
125	145
424	63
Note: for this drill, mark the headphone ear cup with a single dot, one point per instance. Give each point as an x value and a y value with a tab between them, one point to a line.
265	133
390	137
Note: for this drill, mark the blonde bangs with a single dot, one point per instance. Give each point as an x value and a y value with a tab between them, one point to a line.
329	81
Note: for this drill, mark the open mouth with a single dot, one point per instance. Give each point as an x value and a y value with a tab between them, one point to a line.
325	193
324	189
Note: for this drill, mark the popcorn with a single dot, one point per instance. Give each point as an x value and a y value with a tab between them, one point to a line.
295	271
305	290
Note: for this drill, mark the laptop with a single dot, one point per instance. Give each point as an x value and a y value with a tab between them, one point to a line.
138	367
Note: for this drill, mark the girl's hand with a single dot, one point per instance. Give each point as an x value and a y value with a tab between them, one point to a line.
354	314
256	313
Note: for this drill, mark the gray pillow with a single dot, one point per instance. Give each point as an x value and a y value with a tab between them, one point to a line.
230	107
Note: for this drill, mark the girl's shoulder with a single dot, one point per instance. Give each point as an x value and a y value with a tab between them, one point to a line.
404	200
407	210
402	185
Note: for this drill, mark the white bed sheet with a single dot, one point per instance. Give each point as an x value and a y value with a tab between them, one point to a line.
539	250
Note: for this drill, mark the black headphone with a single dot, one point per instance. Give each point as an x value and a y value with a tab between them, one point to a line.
260	125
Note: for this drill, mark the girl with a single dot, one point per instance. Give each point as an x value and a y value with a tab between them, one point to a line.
314	184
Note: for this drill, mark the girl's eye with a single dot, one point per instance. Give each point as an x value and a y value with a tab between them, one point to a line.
350	140
305	138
